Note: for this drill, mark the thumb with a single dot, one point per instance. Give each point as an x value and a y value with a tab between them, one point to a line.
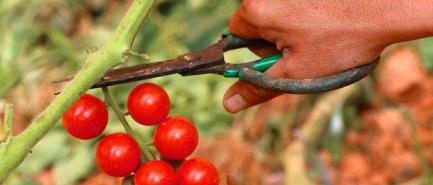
242	95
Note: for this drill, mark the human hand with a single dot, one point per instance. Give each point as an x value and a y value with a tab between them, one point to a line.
320	38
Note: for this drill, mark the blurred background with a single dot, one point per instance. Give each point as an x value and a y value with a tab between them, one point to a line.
376	132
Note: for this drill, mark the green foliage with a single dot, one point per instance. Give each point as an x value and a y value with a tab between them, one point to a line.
15	39
425	48
70	160
81	159
51	149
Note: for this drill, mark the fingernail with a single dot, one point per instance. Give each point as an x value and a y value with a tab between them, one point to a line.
235	103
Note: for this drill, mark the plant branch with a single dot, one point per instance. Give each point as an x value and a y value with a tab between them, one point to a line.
294	156
141	56
9	114
318	118
96	65
115	106
8	120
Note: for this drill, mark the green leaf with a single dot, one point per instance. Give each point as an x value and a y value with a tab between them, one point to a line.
75	167
425	47
48	150
45	153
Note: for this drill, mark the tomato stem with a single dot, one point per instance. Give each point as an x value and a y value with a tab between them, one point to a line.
115	107
96	65
8	120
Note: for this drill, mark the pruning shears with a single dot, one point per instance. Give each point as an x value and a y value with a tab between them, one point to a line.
211	61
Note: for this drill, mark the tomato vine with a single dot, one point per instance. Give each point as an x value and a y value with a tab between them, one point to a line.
14	150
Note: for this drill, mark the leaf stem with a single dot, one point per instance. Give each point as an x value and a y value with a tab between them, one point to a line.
115	107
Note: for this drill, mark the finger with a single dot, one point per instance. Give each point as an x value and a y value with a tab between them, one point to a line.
241	27
243	95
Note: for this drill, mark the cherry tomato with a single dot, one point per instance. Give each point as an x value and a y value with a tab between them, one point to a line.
155	173
176	138
87	118
197	172
118	155
148	104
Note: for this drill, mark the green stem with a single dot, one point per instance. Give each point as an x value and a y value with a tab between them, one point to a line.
9	113
115	106
97	64
8	120
141	56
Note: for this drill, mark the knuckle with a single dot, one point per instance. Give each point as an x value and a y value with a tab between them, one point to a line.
254	9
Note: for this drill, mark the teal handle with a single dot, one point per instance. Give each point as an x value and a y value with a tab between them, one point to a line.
261	65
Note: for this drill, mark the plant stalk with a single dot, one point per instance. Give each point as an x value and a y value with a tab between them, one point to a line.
8	120
96	65
115	106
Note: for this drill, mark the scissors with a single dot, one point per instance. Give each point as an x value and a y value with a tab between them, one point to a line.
211	61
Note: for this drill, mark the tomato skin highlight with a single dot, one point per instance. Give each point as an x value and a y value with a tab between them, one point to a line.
155	173
148	104
197	171
118	155
86	118
176	138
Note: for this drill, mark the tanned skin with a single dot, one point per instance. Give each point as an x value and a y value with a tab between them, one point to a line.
322	37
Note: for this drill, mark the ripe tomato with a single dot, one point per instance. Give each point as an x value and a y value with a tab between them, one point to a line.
176	138
148	104
87	118
118	154
197	172
155	173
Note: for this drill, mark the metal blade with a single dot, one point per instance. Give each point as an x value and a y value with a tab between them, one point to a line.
140	72
211	56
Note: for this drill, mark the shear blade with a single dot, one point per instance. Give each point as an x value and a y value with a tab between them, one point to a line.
211	56
140	72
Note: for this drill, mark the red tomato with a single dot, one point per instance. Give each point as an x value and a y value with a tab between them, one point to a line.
87	118
197	172
155	173
118	155
176	138
148	104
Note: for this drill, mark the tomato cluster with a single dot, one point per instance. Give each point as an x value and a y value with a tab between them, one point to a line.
119	154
